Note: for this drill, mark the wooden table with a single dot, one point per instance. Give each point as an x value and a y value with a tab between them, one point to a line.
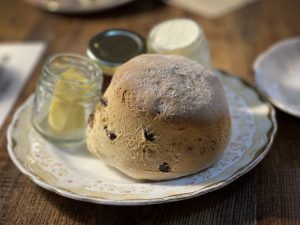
269	194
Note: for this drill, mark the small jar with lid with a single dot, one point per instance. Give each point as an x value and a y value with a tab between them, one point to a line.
180	37
112	48
67	92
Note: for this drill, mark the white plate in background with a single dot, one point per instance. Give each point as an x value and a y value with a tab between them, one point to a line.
77	6
277	75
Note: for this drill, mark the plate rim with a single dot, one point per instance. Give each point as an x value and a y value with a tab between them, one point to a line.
256	65
64	10
271	133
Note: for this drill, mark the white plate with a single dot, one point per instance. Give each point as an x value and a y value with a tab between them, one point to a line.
77	6
78	175
277	75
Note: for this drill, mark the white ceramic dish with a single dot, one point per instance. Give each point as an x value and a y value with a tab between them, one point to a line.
77	6
75	174
277	75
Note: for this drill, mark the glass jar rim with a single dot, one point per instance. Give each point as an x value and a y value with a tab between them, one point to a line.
93	67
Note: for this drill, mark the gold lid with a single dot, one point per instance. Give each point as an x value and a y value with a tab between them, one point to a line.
114	47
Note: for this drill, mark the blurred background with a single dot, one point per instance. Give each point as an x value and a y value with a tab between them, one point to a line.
237	31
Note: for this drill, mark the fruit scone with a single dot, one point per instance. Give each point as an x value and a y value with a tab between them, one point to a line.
162	117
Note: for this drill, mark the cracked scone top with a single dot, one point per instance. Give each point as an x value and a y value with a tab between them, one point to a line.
162	117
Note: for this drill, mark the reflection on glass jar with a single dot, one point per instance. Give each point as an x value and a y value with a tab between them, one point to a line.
67	92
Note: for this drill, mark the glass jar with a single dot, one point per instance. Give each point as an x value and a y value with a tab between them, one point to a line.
112	48
67	92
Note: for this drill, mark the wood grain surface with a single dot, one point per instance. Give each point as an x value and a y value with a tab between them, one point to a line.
268	195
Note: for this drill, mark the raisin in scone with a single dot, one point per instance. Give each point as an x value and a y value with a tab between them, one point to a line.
162	117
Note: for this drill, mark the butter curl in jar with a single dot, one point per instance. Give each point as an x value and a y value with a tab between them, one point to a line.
67	92
180	36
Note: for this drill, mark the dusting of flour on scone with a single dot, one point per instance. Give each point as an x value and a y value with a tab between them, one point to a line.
162	117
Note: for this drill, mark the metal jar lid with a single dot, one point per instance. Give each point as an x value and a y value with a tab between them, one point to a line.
114	47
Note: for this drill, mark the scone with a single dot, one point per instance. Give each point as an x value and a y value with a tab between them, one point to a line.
162	117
